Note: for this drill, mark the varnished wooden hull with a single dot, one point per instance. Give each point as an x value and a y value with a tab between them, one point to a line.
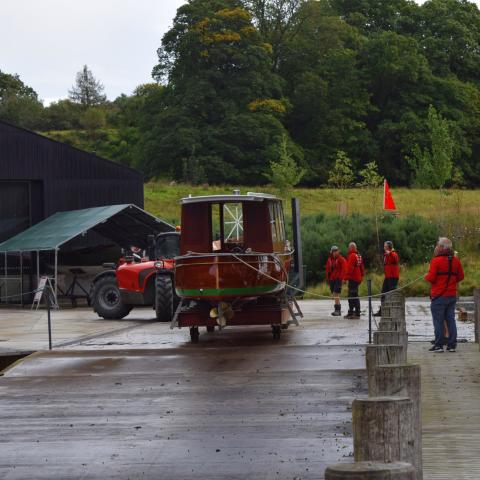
222	276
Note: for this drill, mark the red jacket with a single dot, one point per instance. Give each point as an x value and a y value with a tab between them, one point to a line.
355	268
391	264
438	275
336	268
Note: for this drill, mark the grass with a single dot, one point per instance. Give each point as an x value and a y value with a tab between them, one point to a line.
456	211
162	197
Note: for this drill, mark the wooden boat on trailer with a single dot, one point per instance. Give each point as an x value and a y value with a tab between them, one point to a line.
235	263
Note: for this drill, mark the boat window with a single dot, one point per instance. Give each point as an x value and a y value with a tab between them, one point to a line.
233	223
216	232
273	221
277	222
280	221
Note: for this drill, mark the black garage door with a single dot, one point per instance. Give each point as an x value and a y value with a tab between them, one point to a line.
14	208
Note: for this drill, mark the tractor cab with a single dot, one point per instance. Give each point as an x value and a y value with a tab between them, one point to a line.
167	245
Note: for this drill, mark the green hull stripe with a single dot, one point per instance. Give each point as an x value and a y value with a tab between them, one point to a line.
218	292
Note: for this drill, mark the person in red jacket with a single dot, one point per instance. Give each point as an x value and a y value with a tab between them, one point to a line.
354	277
335	273
391	269
444	274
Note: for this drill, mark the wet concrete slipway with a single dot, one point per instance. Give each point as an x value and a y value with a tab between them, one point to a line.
134	399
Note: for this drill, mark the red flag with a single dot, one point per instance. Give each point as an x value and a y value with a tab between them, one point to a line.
388	203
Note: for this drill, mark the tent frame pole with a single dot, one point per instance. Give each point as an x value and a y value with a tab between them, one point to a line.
21	278
5	278
38	267
56	274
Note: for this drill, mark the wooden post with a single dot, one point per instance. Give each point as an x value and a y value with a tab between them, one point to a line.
476	299
383	355
395	296
394	311
392	325
402	380
370	471
390	338
383	430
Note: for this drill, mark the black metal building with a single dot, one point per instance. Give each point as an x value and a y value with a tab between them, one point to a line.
39	176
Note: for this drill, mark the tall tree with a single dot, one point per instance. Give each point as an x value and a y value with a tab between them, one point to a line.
278	22
88	91
328	92
374	16
449	32
400	82
222	104
19	103
433	165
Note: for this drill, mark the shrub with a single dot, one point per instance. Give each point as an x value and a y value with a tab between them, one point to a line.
413	236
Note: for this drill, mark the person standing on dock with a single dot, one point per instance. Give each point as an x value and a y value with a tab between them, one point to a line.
354	277
391	269
444	274
335	273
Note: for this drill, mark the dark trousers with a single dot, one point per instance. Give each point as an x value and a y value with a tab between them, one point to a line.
353	304
389	284
443	310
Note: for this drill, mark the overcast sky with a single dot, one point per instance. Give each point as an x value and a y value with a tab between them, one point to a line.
47	41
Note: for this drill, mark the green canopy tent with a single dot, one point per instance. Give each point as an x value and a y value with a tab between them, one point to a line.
125	225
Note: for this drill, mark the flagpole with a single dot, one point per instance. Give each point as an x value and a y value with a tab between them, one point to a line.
376	226
384	191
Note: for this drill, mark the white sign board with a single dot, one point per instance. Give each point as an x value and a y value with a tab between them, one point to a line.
40	289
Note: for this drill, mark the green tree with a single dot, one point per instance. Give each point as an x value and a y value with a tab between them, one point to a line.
433	164
449	32
88	91
93	119
221	98
19	103
328	91
284	173
373	16
192	171
341	175
62	115
370	178
278	22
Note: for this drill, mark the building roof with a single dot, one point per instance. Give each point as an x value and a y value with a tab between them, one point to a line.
66	146
232	198
126	225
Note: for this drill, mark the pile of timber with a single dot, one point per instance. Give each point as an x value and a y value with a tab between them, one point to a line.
387	429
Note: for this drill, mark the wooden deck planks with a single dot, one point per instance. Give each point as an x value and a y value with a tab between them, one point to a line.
450	411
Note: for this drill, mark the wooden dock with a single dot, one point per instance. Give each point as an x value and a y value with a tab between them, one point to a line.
450	411
141	402
271	411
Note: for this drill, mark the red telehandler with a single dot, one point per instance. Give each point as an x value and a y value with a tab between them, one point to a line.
137	281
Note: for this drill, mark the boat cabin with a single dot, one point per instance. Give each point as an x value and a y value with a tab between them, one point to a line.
235	223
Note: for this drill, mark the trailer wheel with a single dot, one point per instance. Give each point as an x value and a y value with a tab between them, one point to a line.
194	334
164	298
276	331
106	299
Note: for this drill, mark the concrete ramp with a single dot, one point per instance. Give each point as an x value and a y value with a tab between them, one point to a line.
197	412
